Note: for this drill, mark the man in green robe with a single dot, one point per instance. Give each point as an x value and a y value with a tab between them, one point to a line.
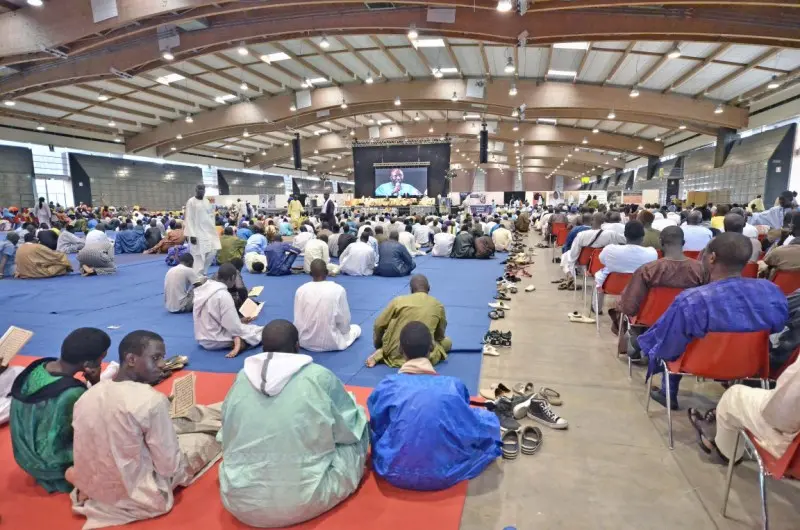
230	247
418	306
43	397
294	441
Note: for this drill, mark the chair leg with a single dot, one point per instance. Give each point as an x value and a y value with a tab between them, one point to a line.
647	396
762	482
630	371
596	298
731	463
583	307
669	404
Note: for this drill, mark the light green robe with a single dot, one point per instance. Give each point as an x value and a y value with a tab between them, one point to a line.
293	456
421	307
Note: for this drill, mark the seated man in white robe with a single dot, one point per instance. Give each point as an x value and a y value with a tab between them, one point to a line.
294	440
179	285
406	238
317	249
443	245
217	324
306	234
501	237
321	313
130	454
358	259
68	242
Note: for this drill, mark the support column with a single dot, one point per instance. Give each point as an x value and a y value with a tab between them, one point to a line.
725	139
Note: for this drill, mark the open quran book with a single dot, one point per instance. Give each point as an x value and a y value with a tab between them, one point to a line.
250	309
12	341
255	291
183	398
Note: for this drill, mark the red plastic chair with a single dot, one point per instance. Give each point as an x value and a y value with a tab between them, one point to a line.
584	258
788	281
693	254
561	237
655	304
750	270
787	466
722	356
555	231
613	285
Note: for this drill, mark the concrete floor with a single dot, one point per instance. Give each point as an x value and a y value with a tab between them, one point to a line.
612	467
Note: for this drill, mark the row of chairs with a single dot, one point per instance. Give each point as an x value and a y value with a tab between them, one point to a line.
722	357
717	356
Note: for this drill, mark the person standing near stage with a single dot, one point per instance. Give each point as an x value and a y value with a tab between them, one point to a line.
200	230
328	212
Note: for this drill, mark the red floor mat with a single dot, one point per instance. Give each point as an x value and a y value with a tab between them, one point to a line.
376	504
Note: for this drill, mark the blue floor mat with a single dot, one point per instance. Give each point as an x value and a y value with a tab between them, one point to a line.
133	299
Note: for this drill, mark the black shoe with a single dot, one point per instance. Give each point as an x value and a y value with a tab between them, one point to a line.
540	411
504	410
656	395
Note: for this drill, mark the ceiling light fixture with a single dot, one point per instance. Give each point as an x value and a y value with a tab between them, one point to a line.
352	132
369	79
430	129
595	130
640	147
416	116
719	109
515	128
437	73
454	98
397	101
189	119
634	92
35	3
167	55
657	139
674	53
243	49
510	68
263	152
8	102
117	139
611	115
246	134
344	104
774	83
513	90
292	108
102	97
316	151
324	43
504	6
514	113
112	123
40	127
173	148
179	136
244	86
412	32
682	126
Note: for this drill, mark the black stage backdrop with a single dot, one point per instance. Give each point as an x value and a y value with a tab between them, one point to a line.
364	158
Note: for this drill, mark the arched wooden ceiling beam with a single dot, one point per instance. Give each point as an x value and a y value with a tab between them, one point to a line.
141	54
542	99
25	31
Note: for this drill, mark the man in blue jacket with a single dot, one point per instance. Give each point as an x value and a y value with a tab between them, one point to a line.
129	241
424	434
394	259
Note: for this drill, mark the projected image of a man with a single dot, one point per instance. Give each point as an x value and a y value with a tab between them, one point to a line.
396	187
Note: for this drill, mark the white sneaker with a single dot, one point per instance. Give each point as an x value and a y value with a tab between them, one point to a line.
499	305
530	288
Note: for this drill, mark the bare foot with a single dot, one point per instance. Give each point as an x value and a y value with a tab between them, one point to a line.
237	348
372	360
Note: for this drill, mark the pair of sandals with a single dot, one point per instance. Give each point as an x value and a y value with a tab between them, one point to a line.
578	318
527	441
502	296
697	419
527	390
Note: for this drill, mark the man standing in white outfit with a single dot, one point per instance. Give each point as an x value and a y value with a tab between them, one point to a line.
199	217
321	313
